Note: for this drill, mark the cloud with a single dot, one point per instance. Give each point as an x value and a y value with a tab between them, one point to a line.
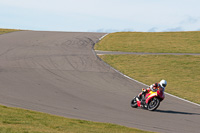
112	30
174	29
153	29
190	20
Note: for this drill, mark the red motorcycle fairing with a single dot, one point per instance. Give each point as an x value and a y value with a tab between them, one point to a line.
159	93
139	103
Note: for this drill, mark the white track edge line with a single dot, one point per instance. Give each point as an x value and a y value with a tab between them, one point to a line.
103	36
143	83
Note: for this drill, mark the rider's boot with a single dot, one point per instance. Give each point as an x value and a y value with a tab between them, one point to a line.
143	100
139	96
137	99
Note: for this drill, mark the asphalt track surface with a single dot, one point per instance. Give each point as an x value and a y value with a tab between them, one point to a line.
59	73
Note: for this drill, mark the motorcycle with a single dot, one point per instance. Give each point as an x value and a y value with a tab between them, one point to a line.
150	101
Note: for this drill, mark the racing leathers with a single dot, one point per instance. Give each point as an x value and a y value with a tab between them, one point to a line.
153	87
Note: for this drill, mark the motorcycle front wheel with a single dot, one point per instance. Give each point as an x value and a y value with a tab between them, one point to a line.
134	103
153	104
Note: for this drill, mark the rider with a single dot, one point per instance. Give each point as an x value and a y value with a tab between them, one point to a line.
154	87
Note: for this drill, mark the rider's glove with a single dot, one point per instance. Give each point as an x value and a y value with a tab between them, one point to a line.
143	91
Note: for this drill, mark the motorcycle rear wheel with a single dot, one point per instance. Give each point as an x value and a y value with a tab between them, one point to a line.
153	104
134	103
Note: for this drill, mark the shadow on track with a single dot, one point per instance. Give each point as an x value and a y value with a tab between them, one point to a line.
176	112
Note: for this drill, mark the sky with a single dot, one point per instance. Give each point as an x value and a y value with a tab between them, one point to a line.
101	15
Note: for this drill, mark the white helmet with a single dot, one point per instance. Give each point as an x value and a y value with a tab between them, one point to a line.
163	83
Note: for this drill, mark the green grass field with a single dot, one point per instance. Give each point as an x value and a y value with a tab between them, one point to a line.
3	31
158	42
182	72
15	120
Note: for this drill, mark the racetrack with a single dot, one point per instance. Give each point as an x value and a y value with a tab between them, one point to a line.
59	73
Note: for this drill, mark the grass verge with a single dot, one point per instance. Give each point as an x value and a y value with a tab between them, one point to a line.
3	31
158	42
14	120
181	72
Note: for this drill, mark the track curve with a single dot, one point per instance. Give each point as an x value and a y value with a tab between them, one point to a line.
58	73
